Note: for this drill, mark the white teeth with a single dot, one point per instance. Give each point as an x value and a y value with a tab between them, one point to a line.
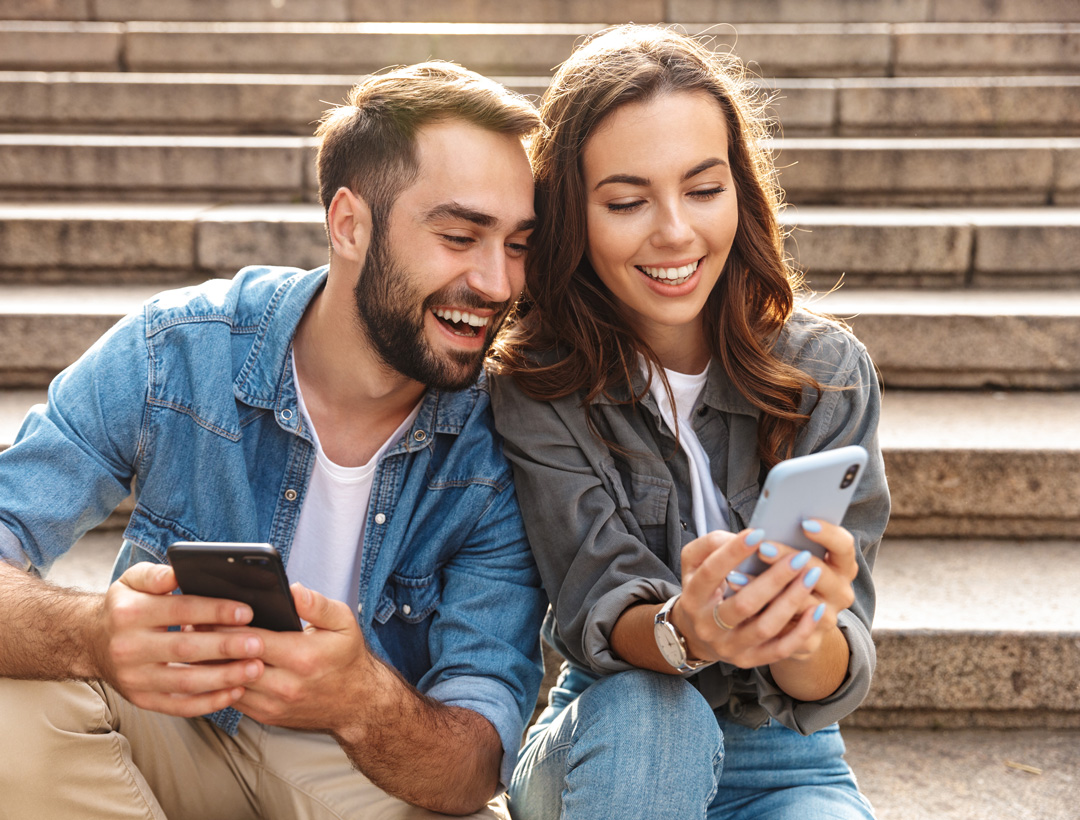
462	316
676	275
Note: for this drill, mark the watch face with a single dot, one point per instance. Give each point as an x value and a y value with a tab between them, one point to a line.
670	646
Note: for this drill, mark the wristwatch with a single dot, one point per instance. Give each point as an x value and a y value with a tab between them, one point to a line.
670	641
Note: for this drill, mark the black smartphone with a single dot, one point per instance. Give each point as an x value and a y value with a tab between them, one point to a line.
252	574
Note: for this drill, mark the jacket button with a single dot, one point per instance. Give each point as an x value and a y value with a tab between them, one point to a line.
290	495
701	411
359	609
380	518
419	435
407	609
286	414
683	525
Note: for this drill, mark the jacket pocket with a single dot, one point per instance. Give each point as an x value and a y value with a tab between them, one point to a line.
411	599
642	502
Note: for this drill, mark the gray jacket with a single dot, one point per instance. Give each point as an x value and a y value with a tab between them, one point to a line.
607	527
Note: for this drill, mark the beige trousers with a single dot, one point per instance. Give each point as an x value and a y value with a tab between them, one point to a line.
78	750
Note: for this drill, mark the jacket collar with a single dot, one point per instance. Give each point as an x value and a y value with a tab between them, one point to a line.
719	394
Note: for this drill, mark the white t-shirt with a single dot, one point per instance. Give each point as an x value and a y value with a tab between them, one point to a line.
326	550
707	500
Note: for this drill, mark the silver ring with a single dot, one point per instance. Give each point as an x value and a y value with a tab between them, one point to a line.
720	621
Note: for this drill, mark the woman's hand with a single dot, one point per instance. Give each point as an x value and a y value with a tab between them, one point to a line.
787	612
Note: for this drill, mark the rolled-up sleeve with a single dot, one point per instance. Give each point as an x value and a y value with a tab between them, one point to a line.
847	413
484	642
73	459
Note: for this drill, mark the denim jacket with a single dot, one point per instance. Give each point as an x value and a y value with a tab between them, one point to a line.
608	525
191	405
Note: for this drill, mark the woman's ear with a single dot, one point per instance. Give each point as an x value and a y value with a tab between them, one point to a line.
348	222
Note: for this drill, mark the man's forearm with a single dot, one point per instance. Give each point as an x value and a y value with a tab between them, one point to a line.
442	758
43	628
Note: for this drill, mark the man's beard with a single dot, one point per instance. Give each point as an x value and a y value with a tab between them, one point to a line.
391	315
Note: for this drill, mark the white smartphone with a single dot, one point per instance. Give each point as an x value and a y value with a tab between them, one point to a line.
819	486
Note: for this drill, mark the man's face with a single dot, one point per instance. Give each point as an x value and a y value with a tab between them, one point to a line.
441	275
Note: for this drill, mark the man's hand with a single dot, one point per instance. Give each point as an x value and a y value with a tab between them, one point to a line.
314	679
186	673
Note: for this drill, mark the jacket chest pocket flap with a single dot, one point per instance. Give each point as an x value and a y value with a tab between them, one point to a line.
412	599
642	501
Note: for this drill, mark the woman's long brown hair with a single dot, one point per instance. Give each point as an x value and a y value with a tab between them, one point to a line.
566	308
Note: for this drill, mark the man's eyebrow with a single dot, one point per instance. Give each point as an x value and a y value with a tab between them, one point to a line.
452	210
631	179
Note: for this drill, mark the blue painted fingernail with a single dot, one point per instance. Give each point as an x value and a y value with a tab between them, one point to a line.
811	526
799	561
754	538
819	612
737	579
768	550
812	577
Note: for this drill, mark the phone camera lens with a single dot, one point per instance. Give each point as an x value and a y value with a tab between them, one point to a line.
849	476
256	561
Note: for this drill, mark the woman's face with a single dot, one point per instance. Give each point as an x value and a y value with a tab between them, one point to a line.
661	216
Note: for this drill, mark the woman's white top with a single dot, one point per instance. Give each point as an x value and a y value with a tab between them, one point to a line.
707	500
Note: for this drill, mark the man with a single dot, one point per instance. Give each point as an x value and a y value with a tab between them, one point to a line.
335	414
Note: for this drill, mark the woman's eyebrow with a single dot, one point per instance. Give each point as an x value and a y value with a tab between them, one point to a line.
704	165
628	179
631	179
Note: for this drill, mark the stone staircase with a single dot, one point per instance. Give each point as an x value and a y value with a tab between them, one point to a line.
931	157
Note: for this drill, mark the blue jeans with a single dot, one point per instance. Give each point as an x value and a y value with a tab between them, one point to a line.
640	744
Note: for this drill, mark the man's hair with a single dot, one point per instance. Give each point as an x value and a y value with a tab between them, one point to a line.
369	144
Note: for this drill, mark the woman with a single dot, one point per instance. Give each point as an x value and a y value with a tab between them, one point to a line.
659	370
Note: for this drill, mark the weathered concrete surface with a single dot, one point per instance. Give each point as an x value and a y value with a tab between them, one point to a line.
776	49
161	167
973	633
991	465
42	330
60	46
908	171
228	103
966	339
942	106
987	48
910	774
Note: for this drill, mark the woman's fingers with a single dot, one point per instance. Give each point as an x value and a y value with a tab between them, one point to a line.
706	561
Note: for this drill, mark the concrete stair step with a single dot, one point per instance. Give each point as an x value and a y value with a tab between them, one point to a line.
982	464
976	634
784	49
1022	171
966	339
885	248
177	103
549	11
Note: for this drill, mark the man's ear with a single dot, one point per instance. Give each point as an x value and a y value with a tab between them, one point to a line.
349	224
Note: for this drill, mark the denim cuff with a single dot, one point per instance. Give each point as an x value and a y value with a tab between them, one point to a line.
492	701
11	550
